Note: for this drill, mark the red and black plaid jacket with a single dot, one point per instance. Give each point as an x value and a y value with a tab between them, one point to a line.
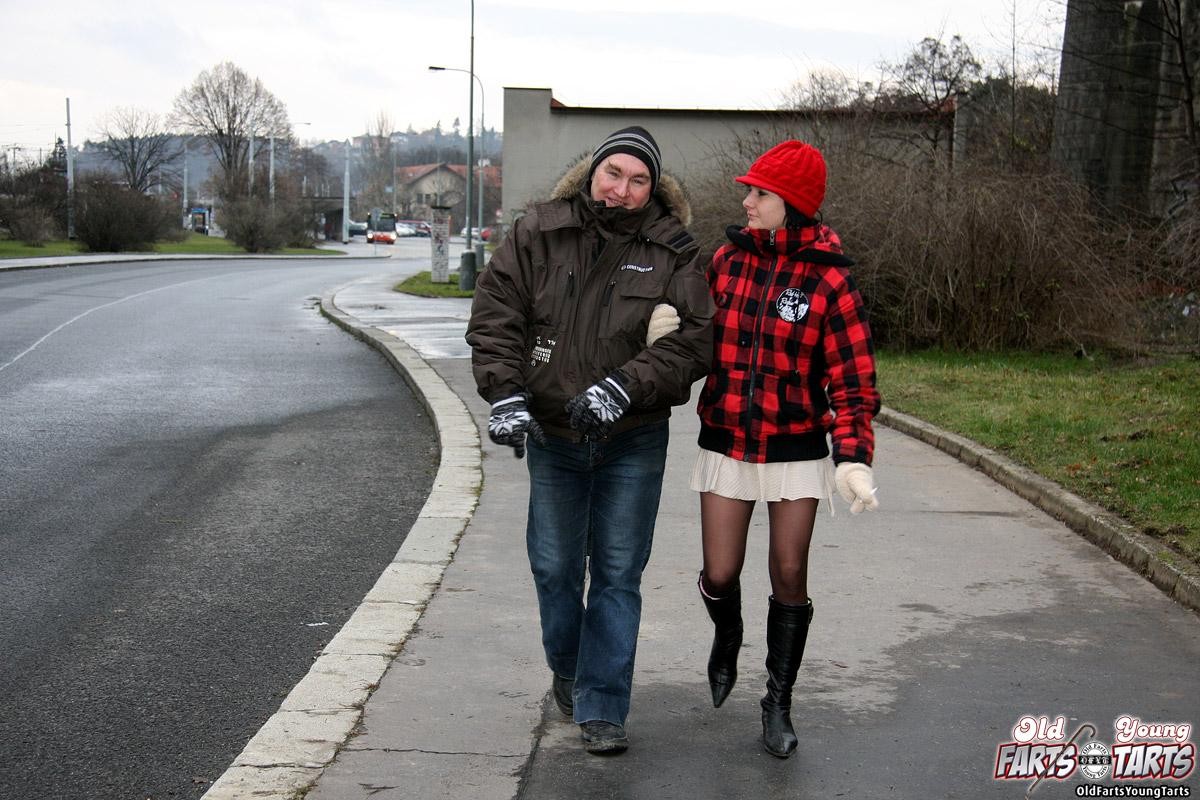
792	353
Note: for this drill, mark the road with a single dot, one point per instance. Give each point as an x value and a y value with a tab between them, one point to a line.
201	477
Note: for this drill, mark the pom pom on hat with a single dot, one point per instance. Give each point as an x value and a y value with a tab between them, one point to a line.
793	170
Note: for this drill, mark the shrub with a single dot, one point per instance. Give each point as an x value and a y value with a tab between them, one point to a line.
112	218
981	260
966	258
33	205
31	225
258	228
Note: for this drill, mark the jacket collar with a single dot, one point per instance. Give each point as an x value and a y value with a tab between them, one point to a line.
818	243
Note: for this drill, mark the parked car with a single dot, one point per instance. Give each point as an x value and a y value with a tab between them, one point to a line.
404	229
420	227
476	233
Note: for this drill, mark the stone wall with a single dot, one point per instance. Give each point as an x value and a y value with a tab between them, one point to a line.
1119	121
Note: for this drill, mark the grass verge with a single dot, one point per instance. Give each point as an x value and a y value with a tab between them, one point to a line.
1122	434
421	285
14	249
194	244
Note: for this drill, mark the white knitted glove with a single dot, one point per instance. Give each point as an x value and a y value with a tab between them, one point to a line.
856	484
663	320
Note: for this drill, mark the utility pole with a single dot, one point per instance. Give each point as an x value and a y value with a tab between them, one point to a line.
466	269
346	199
70	178
250	160
271	171
185	182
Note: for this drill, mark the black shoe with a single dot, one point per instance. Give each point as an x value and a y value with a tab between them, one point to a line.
562	689
604	738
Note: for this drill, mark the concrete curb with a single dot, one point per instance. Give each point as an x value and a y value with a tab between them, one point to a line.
1120	539
288	754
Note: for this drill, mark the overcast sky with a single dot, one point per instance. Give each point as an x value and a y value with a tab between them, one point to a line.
337	65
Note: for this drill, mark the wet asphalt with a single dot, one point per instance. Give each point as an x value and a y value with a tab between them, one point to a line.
202	477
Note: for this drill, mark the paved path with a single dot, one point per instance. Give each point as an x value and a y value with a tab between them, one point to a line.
941	620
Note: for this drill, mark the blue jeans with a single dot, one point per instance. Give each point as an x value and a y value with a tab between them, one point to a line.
592	508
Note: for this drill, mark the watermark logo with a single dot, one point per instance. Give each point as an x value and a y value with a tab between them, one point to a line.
1046	749
1094	761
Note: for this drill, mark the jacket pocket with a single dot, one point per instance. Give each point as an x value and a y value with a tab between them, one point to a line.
554	293
795	402
627	303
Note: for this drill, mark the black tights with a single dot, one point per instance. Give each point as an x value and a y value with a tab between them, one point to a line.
725	524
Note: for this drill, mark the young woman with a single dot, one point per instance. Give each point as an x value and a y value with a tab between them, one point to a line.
792	363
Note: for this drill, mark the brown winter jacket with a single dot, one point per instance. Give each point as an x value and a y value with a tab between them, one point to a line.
566	298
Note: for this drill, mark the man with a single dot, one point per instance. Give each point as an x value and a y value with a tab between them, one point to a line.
560	338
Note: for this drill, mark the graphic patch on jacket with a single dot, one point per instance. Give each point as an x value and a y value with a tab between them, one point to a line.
792	305
637	268
542	349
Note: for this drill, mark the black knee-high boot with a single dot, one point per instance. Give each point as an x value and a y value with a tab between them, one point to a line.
787	631
726	614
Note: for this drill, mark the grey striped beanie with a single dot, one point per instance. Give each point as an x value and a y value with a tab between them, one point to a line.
635	141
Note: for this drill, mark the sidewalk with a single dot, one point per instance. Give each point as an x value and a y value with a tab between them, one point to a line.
940	621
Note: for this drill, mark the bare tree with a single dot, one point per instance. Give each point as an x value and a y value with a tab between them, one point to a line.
228	107
378	160
929	80
138	142
826	90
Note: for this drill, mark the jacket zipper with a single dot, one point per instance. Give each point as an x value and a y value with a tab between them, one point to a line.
762	308
608	293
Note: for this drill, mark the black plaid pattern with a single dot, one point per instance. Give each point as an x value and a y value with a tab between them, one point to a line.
779	386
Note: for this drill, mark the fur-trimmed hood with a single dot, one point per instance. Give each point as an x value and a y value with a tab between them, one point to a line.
668	192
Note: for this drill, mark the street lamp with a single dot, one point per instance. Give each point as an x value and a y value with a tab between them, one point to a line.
466	270
482	133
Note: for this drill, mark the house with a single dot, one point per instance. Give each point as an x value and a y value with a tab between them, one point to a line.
421	186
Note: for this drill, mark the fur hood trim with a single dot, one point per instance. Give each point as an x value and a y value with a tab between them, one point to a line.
669	191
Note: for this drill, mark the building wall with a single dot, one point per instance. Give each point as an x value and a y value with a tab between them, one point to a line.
541	138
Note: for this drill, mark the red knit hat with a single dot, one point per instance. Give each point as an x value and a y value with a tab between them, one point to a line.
793	170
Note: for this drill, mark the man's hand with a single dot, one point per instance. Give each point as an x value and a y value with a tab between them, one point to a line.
511	421
594	410
663	320
856	484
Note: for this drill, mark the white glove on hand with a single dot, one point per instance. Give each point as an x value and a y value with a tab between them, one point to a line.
663	320
511	421
856	484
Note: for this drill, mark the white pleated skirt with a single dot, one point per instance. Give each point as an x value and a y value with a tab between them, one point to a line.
780	480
